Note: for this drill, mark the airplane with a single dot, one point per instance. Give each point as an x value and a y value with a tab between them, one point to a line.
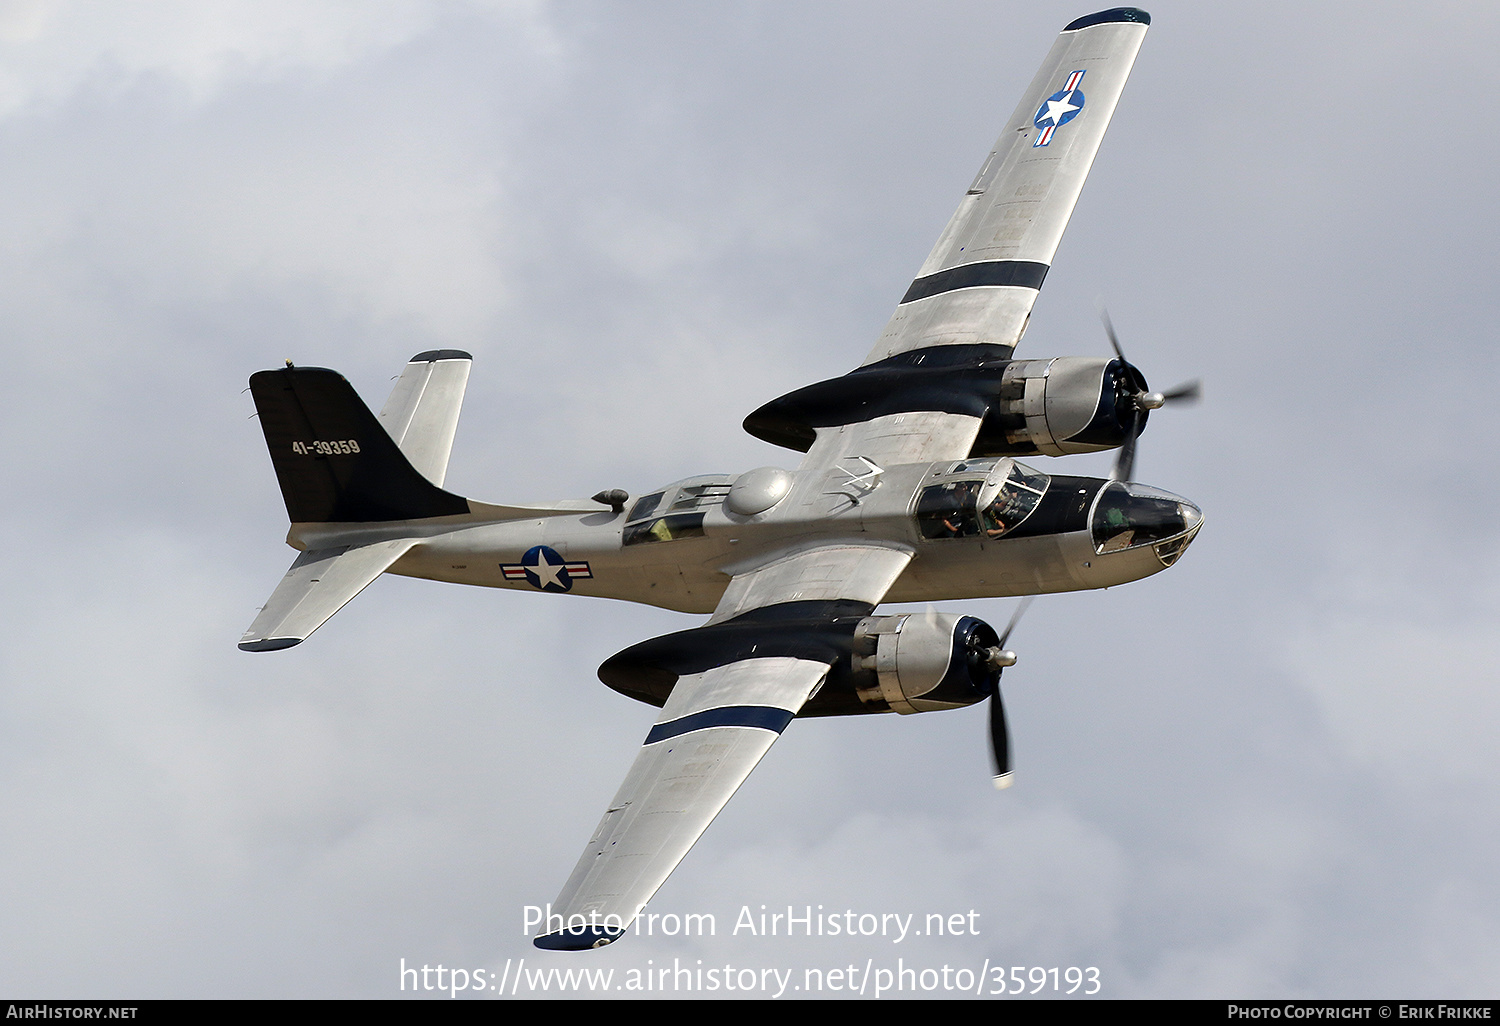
909	491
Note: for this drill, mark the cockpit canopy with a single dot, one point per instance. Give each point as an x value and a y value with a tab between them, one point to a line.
979	498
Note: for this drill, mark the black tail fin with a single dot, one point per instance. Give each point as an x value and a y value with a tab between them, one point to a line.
335	461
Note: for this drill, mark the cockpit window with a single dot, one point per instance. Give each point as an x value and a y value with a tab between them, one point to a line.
973	466
978	508
949	510
1016	499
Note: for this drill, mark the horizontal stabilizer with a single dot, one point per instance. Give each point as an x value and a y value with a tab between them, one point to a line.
422	413
316	587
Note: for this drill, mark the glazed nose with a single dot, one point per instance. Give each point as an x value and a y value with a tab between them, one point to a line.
1169	550
1130	515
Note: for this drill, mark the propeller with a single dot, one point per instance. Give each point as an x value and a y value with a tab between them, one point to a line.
997	658
1140	401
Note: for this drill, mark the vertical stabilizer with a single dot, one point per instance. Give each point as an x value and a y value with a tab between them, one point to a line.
422	413
335	462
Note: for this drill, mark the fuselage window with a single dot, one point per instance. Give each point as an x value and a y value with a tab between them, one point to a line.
1123	520
681	525
644	506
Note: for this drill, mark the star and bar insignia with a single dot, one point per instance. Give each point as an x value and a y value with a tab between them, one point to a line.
544	568
1058	109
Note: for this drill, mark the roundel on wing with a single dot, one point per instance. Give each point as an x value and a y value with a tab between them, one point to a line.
1059	108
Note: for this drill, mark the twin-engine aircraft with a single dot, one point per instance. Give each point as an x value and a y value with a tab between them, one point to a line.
910	491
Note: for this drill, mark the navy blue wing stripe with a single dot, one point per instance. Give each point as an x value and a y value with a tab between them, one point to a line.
766	717
1025	273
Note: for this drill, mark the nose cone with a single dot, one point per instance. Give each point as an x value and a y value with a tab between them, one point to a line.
1129	516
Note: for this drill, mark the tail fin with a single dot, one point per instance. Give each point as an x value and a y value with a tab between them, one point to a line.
336	463
422	412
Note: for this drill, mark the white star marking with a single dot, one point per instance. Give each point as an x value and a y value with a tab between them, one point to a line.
546	573
1057	109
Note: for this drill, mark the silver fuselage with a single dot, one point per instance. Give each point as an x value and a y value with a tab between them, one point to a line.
821	507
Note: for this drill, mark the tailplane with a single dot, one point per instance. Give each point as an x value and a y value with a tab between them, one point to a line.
337	464
350	478
318	585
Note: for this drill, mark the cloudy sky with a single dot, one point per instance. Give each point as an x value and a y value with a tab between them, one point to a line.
1268	772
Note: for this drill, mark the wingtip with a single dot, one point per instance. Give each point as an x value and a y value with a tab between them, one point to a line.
1114	14
577	940
1004	780
269	644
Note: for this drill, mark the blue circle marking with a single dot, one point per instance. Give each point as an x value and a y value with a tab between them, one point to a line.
1059	108
546	569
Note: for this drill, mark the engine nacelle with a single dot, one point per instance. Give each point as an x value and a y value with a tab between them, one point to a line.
1054	407
1062	406
907	662
923	662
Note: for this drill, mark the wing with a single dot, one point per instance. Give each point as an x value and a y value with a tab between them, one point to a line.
918	437
982	277
744	676
852	572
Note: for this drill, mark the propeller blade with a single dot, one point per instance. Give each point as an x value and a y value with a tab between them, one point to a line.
999	731
1142	400
1187	392
1000	741
1109	329
1125	460
1015	618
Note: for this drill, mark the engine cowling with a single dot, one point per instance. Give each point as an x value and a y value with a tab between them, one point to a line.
1062	406
923	662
